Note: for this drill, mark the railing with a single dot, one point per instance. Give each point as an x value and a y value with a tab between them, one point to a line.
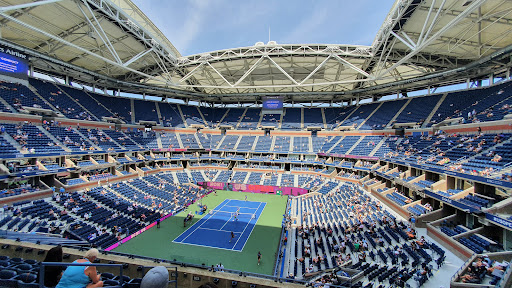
504	169
506	277
460	160
462	268
283	228
198	266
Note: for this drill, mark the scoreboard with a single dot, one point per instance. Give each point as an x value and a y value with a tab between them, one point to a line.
272	104
13	63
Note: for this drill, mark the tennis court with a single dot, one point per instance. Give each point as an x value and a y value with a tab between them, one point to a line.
158	242
214	229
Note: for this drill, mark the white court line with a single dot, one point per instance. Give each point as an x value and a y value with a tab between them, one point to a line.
211	215
241	233
242	207
243	201
210	246
264	204
202	228
227	212
248	226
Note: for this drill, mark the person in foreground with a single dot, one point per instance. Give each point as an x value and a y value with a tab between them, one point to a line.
52	274
82	276
158	277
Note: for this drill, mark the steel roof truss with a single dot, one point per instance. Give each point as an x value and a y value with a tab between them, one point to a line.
427	41
99	31
27	5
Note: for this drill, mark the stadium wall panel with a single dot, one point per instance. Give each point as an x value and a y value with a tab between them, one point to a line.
458	249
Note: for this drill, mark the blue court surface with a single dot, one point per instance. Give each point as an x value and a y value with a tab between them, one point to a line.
214	229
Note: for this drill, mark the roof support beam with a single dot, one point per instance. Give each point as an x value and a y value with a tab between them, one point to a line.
191	73
355	68
130	24
249	71
99	31
316	70
282	70
424	43
428	18
216	71
27	5
411	46
15	20
137	57
421	39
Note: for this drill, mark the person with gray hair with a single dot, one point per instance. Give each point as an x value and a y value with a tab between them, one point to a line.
82	276
157	277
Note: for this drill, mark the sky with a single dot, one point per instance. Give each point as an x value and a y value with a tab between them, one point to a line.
198	26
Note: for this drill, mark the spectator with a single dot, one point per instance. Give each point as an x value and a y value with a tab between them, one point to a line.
80	276
52	274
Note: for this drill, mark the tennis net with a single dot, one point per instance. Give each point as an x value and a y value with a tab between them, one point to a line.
233	214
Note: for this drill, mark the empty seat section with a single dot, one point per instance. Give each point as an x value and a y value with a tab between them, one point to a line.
271	120
18	95
84	98
233	116
335	116
189	141
300	144
121	107
145	110
282	144
292	119
415	111
250	119
366	146
170	115
213	115
345	144
384	114
229	142
192	115
313	117
360	115
246	143
61	101
264	144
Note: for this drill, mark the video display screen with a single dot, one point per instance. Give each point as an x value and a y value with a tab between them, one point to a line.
13	63
273	103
